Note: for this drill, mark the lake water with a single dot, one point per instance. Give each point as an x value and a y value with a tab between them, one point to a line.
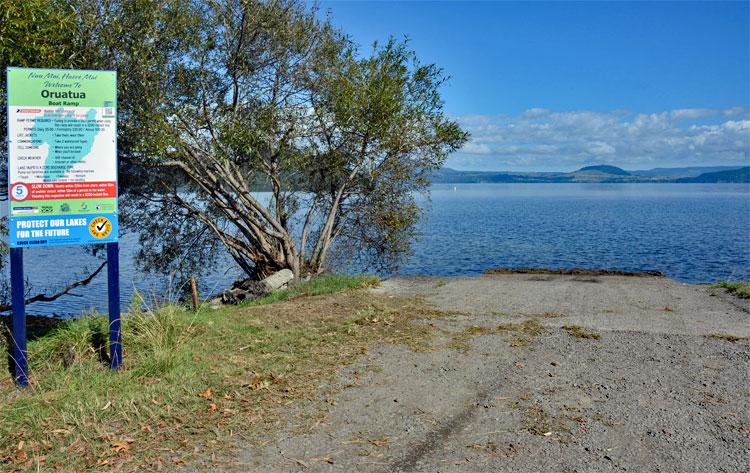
695	233
692	232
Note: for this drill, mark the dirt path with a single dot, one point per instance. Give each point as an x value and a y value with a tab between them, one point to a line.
547	373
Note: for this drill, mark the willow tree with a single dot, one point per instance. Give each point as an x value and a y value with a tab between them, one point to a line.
272	98
221	99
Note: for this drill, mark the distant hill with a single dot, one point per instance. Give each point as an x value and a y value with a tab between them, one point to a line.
692	171
741	175
453	176
603	168
595	174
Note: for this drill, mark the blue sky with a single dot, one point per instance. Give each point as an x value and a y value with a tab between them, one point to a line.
554	86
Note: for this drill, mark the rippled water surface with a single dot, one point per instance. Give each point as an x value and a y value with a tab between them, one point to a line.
692	232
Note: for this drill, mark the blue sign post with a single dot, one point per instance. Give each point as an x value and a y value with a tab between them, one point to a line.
20	362
113	294
62	180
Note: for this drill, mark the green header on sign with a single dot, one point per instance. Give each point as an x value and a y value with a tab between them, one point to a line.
61	88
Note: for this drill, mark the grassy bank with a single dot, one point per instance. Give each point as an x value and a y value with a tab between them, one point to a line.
194	385
739	289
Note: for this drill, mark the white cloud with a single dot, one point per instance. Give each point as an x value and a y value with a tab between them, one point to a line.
545	139
476	148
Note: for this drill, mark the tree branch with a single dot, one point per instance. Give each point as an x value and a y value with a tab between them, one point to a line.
62	292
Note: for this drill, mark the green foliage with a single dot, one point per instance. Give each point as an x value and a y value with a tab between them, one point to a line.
739	289
35	33
325	284
274	95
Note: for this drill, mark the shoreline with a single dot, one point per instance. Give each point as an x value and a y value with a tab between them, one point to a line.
46	320
577	272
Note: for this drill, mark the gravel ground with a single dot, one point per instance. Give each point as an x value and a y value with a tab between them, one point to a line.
659	390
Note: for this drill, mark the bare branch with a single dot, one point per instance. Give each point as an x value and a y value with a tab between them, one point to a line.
45	298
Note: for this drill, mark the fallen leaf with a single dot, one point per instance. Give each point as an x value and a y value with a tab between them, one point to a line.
213	407
20	445
206	394
121	445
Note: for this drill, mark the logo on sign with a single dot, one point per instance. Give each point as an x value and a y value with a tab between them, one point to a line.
100	227
19	191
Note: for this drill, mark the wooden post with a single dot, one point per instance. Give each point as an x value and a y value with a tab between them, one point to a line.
194	288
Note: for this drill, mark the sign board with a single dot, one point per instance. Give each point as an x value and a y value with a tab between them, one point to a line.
62	180
62	157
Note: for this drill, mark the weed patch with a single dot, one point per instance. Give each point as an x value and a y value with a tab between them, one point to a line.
461	340
580	332
739	289
538	421
525	332
726	337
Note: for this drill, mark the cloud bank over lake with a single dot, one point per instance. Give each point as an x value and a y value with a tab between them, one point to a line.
542	139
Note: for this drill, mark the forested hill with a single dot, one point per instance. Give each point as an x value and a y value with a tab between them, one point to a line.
741	175
596	174
605	169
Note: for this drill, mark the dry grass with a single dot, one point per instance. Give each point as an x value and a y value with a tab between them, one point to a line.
193	385
727	337
461	341
538	421
546	315
580	332
524	334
